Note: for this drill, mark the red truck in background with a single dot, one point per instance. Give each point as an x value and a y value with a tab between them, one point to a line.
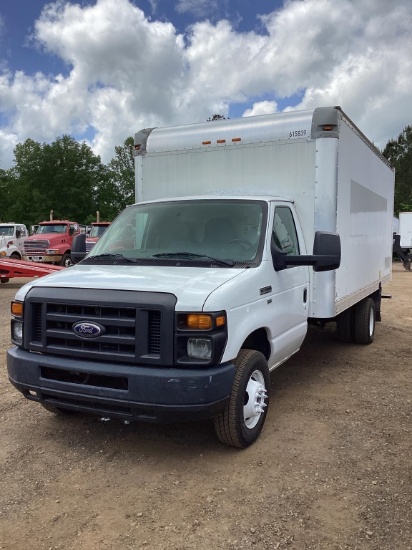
52	242
96	231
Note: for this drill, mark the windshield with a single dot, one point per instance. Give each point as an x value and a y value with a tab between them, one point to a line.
51	228
227	230
97	230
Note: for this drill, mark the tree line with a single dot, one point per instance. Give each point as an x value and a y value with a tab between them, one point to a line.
67	177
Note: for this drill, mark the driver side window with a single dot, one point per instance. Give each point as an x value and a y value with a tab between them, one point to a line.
284	231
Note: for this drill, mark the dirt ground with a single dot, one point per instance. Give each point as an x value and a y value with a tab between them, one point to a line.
331	470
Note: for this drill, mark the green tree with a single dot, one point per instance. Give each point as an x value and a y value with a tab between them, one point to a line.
119	188
399	154
63	176
216	117
6	195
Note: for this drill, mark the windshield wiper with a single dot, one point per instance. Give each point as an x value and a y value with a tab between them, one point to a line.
114	257
187	255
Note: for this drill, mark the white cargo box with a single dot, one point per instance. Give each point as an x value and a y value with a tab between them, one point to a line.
337	179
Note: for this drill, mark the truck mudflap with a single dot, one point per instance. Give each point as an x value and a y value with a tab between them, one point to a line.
141	393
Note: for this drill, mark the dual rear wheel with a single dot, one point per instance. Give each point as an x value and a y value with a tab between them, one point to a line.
357	324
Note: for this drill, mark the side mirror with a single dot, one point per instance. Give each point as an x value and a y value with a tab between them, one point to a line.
327	251
326	254
18	233
78	248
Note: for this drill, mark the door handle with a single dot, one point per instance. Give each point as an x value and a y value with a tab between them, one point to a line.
305	295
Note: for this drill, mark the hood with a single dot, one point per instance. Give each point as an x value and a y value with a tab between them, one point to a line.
190	285
46	236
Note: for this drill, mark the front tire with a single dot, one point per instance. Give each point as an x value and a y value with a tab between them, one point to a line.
240	424
364	322
15	256
66	261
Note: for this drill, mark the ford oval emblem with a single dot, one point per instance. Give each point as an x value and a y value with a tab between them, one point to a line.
88	329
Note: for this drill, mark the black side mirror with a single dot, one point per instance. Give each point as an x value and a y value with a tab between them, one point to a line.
78	248
326	254
327	251
18	233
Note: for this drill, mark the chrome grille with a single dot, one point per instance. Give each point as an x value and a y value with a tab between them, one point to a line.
36	247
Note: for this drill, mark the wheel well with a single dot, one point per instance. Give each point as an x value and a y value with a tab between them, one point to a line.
258	340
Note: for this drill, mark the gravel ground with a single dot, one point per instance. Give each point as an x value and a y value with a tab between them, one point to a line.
331	470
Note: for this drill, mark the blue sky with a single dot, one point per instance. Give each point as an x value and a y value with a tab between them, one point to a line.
100	70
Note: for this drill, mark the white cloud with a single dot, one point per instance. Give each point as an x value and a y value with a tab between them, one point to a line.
262	108
126	71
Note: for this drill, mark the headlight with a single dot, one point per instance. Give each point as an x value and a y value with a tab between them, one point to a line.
199	348
17	332
17	323
200	337
52	251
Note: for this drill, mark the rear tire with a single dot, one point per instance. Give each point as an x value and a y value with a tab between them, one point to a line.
364	321
242	421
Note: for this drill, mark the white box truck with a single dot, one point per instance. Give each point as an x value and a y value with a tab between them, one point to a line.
244	232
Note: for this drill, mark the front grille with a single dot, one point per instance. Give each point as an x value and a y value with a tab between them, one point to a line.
154	332
137	327
36	247
89	245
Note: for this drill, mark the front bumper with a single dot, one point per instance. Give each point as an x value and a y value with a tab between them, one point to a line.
44	258
150	393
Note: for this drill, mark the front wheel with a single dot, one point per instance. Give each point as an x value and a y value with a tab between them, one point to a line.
240	424
66	261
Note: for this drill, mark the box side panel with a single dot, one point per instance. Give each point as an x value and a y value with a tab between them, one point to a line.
364	219
278	168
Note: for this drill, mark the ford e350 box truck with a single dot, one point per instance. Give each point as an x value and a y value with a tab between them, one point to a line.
244	231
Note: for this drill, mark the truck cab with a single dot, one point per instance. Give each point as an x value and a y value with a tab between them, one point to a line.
52	242
96	231
177	300
12	239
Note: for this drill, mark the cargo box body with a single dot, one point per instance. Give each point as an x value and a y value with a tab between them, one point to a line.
336	178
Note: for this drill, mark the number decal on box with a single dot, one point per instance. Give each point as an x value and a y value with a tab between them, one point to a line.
297	134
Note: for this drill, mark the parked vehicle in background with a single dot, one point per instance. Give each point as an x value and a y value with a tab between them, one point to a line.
96	231
12	238
52	242
402	239
405	231
244	232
